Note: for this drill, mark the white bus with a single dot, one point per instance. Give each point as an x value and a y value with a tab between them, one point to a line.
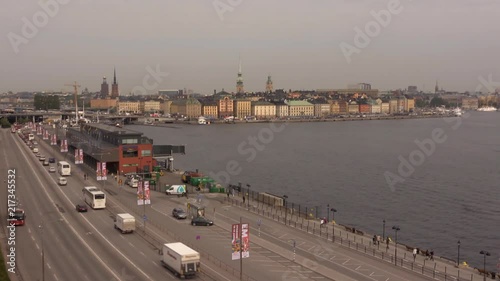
31	137
94	197
64	168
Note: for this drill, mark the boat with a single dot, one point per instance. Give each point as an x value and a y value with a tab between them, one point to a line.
457	112
487	109
202	120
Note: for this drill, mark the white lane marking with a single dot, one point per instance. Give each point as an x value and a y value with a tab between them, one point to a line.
63	217
55	276
48	265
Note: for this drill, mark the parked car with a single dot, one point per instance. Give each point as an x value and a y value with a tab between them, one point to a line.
46	163
52	170
81	207
179	213
52	160
201	221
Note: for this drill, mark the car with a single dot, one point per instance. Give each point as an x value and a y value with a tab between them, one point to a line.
42	158
38	154
53	170
46	163
81	207
52	160
35	143
62	181
179	213
201	221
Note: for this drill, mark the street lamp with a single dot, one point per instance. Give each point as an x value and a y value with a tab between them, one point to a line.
383	230
458	256
333	210
248	196
396	229
484	253
286	207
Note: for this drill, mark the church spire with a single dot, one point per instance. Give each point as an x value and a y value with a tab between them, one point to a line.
239	80
114	75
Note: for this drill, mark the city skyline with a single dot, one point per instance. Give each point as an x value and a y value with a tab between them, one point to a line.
199	44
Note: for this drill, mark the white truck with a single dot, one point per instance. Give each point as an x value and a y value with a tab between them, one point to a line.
180	259
125	223
176	190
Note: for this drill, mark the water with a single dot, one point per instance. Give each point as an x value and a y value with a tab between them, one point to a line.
453	195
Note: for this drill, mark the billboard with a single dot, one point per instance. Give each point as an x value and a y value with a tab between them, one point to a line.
46	134
79	156
98	171
147	198
53	140
140	194
240	230
104	171
64	146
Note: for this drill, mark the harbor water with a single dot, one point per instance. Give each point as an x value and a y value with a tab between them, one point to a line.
437	179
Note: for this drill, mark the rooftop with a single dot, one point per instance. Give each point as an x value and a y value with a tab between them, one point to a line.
298	102
112	129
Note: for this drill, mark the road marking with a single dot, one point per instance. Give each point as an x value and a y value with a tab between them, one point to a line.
48	265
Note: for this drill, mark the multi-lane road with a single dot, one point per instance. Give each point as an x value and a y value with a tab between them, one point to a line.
85	246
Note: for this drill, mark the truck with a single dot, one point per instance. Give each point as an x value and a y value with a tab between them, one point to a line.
183	261
176	190
125	223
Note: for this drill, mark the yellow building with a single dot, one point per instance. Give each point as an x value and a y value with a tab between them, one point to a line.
193	108
178	107
149	106
300	108
103	103
353	107
335	107
282	109
129	106
165	106
209	109
263	110
410	105
242	108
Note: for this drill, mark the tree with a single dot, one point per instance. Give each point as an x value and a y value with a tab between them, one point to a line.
5	123
46	102
421	103
438	102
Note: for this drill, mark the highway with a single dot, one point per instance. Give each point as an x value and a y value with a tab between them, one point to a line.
76	246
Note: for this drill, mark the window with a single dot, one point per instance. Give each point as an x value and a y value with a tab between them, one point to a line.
129	141
145	152
130	153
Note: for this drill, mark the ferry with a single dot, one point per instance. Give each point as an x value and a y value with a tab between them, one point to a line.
202	120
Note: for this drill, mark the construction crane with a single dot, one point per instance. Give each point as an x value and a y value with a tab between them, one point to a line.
75	86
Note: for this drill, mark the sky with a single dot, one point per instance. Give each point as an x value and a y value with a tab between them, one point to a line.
197	44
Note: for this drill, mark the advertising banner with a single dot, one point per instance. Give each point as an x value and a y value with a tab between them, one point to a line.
104	171
243	231
62	146
65	145
80	156
140	194
98	171
147	198
46	134
53	140
76	156
38	130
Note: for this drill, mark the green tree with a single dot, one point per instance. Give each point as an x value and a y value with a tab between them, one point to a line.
421	103
5	123
437	102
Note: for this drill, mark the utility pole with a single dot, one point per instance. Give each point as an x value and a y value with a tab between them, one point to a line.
75	86
241	249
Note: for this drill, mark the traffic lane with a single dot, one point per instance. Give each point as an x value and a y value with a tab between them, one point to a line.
326	253
93	245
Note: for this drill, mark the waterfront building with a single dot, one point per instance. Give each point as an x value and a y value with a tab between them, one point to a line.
334	107
193	108
225	104
385	107
401	104
242	108
470	103
128	106
343	107
171	94
149	106
103	103
178	107
209	109
165	106
321	109
269	85
375	106
393	106
353	107
300	108
410	105
373	93
114	87
263	109
281	109
364	108
104	88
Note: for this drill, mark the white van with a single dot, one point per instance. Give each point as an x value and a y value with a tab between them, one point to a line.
35	149
133	182
176	190
62	181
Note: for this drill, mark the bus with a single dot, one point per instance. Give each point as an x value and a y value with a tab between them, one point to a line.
64	168
94	197
17	217
31	137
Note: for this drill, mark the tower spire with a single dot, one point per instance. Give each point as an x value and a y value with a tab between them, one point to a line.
239	80
114	75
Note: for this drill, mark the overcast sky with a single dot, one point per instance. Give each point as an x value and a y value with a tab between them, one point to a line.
297	42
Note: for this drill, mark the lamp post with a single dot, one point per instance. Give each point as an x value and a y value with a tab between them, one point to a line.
396	229
484	253
43	253
328	212
248	196
286	207
458	256
383	230
333	210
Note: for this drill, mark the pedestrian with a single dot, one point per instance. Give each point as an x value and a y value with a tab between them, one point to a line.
414	254
374	239
432	255
228	195
387	242
427	254
243	199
